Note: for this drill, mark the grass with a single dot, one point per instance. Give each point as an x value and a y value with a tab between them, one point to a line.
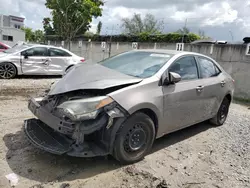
244	101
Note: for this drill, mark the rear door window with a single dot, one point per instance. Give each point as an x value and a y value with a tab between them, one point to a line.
207	68
58	53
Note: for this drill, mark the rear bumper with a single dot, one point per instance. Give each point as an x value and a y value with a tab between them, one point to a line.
45	138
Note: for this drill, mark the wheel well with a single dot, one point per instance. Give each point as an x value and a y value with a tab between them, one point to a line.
68	67
152	115
229	97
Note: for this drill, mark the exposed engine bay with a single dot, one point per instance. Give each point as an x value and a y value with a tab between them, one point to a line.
77	123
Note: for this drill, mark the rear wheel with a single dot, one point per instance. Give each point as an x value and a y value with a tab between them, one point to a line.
134	138
222	113
7	70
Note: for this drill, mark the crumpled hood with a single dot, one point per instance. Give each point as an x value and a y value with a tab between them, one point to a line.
91	76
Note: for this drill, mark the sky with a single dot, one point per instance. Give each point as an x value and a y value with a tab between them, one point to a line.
220	19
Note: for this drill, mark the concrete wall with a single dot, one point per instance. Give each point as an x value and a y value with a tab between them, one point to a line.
232	58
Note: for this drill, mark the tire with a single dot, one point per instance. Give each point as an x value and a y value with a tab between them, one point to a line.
134	139
222	113
7	70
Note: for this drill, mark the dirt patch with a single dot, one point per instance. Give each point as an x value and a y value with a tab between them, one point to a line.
25	86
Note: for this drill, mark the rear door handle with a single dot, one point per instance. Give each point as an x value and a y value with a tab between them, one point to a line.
223	83
200	88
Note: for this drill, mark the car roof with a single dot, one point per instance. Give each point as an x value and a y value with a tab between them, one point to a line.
42	45
47	46
171	52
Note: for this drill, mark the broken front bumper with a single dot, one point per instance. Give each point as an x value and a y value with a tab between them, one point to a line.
55	135
49	119
45	138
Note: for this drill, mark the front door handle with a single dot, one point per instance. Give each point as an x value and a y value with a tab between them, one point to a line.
223	83
200	88
46	61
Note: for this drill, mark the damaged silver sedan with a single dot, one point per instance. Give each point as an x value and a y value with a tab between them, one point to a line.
121	105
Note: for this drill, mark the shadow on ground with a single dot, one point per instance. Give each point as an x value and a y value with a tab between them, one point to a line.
37	77
179	136
34	164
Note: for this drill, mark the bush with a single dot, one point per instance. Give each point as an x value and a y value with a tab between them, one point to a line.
143	37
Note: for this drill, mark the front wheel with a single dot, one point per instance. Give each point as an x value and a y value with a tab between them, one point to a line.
222	113
7	70
134	138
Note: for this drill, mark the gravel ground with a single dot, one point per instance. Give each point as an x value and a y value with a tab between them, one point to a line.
199	156
25	84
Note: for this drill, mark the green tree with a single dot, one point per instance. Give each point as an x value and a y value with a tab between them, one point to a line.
89	34
29	35
99	28
183	31
39	36
136	25
73	17
202	34
48	29
33	36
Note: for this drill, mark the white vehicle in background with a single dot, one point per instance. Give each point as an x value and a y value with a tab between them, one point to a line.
33	59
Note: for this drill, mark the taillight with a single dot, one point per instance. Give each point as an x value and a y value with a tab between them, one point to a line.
82	60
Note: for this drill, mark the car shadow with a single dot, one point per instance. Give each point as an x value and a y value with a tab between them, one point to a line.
178	136
38	77
35	164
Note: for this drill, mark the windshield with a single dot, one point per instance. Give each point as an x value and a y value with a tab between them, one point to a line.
16	49
137	63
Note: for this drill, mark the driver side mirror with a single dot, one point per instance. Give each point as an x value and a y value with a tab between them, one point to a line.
170	78
25	55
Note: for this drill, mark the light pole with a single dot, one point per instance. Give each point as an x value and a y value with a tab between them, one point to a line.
182	40
231	33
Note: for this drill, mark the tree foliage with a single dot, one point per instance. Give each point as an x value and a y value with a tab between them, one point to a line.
143	37
48	29
39	36
29	36
99	28
183	31
89	34
202	34
33	36
136	25
73	17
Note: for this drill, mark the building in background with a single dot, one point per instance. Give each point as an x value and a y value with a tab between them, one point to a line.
10	29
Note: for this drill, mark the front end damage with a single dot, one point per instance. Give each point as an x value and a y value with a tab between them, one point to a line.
76	123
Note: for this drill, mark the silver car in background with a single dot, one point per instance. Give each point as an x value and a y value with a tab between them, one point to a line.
28	59
120	105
